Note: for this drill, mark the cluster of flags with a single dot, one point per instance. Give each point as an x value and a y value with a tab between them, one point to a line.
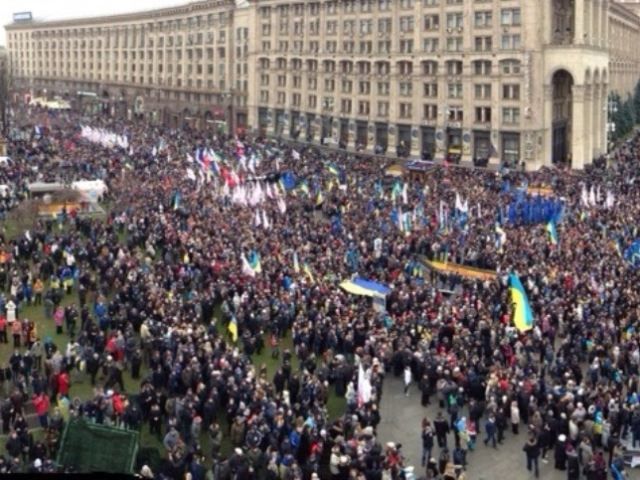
104	137
593	197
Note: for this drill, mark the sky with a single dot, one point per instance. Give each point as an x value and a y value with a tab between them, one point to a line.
59	9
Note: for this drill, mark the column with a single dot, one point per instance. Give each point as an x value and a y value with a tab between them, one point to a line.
577	128
392	142
598	114
578	12
335	131
271	122
351	137
604	23
371	137
595	22
589	123
415	142
547	150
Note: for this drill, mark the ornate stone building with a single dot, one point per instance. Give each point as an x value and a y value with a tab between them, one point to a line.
515	80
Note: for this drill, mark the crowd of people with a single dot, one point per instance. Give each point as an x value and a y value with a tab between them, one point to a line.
216	249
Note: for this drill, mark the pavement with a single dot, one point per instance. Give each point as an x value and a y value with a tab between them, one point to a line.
401	423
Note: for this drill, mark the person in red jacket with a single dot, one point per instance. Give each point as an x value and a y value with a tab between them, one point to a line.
64	383
41	404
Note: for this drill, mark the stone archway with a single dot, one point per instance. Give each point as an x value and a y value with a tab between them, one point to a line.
562	111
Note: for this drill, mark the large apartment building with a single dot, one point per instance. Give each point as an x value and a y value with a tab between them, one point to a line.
512	80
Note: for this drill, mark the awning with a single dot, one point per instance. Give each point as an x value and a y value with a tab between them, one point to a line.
367	288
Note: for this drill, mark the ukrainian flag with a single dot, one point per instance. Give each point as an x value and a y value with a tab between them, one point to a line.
553	232
254	262
233	329
333	169
522	314
304	187
319	198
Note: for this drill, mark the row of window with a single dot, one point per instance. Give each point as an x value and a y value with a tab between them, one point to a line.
510	91
510	115
406	24
508	41
351	6
404	67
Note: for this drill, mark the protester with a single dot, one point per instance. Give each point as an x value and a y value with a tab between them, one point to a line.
215	246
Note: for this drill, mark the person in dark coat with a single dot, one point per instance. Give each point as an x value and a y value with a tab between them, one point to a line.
560	455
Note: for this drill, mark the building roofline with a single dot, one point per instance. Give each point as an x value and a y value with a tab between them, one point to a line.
123	17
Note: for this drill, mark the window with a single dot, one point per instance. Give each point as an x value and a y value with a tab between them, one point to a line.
454	67
383	88
363	108
482	67
405	110
482	19
431	90
406	4
430	44
264	96
511	92
332	27
454	20
510	67
345	105
431	22
430	111
364	88
384	25
483	114
429	68
296	99
454	90
384	46
455	114
384	5
313	101
406	46
454	44
407	24
347	86
406	89
510	41
482	91
483	44
511	116
366	26
312	83
329	85
510	16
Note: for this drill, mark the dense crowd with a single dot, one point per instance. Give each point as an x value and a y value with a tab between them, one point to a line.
164	290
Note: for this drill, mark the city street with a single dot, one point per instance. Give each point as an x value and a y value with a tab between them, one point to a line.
401	420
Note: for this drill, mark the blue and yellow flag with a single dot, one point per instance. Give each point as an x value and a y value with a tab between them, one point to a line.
553	232
296	264
522	314
233	329
254	262
319	198
333	169
304	187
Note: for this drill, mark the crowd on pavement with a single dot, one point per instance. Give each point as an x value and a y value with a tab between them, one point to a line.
216	249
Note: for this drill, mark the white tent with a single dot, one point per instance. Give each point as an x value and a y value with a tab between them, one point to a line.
93	189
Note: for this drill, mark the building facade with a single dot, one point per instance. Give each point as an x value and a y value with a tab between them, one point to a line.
511	80
173	65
